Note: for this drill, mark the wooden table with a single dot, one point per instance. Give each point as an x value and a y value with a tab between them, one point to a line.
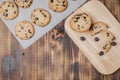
52	57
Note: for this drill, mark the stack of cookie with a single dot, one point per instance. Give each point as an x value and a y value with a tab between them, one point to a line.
99	30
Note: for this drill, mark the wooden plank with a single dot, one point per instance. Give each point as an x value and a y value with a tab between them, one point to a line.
89	47
41	60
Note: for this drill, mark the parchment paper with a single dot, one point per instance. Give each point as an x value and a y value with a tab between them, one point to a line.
24	14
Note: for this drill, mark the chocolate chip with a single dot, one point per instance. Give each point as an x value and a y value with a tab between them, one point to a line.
28	5
5	14
26	1
51	1
44	15
30	36
8	5
77	18
107	26
15	12
108	34
25	33
34	22
113	38
57	5
82	38
13	6
29	31
101	53
23	6
91	28
64	5
23	54
36	19
22	27
96	39
113	43
40	10
78	26
55	10
105	47
30	2
95	27
84	17
6	10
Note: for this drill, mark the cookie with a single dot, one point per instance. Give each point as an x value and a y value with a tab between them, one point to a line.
98	27
58	5
81	22
40	17
107	47
107	36
8	10
24	30
24	3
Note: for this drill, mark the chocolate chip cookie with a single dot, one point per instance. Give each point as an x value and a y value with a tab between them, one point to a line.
9	10
24	30
58	5
40	17
80	22
24	3
98	27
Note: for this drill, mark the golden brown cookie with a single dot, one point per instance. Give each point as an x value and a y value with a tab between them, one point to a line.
58	5
24	30
40	17
8	10
81	22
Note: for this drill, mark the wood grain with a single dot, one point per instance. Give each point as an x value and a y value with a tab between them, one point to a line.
52	57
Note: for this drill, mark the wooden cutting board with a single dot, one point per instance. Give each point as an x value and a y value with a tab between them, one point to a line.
110	61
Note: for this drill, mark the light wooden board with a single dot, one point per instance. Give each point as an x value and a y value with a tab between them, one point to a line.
110	62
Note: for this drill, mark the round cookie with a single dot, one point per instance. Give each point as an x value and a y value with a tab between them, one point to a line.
24	30
81	22
58	5
102	45
24	3
40	17
8	10
98	27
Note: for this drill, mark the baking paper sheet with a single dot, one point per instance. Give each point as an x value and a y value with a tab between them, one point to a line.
24	14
